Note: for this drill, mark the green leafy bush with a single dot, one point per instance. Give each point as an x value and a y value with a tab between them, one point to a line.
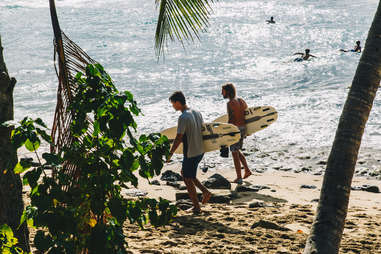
8	241
83	210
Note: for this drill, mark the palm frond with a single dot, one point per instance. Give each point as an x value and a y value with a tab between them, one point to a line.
181	20
71	60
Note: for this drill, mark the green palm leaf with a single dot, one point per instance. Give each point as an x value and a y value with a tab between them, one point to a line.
181	20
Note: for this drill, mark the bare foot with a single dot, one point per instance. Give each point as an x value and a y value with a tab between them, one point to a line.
206	197
247	174
238	181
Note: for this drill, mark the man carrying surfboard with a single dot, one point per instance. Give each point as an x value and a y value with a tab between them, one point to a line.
236	113
189	132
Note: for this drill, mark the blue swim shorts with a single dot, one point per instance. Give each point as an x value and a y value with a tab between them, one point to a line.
190	165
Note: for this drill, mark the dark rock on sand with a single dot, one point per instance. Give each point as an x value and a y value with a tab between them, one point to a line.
257	204
217	181
215	198
371	188
220	199
173	184
305	186
250	188
268	225
365	187
155	182
171	176
322	163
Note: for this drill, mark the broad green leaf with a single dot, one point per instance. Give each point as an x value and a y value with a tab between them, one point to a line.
18	168
32	146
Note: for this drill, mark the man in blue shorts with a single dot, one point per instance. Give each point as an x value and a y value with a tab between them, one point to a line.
189	129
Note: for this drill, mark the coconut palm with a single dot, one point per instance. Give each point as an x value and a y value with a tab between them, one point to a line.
328	226
11	203
181	20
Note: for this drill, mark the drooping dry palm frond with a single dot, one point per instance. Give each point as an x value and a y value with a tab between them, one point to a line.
180	19
71	59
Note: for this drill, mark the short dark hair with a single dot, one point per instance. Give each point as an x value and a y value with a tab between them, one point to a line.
178	96
230	89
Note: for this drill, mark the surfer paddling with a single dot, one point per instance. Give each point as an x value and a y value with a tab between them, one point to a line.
271	21
303	56
236	113
189	132
357	48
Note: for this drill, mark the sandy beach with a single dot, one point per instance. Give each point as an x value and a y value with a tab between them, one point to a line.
280	226
275	219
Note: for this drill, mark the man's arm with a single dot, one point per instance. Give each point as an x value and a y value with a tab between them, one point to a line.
230	113
312	56
297	53
175	145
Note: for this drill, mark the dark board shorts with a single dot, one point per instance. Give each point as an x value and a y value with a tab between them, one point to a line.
189	166
238	146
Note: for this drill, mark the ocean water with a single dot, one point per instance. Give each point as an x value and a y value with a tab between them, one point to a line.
238	47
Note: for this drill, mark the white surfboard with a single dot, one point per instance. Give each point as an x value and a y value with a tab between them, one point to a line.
214	135
256	118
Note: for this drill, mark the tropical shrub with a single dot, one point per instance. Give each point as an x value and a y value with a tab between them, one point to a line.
82	209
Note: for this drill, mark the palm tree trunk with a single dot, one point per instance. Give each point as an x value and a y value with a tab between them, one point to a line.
327	229
11	203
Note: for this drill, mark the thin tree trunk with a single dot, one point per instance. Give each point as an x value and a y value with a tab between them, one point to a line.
328	226
11	203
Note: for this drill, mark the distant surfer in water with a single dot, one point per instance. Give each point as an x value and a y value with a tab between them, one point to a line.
357	48
236	112
189	132
304	56
271	21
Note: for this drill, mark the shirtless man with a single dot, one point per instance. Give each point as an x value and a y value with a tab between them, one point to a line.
236	112
189	132
304	56
356	49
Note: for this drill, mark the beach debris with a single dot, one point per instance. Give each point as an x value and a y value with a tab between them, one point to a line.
268	225
305	186
171	176
217	181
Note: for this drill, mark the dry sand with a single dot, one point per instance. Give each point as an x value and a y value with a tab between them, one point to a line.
227	228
